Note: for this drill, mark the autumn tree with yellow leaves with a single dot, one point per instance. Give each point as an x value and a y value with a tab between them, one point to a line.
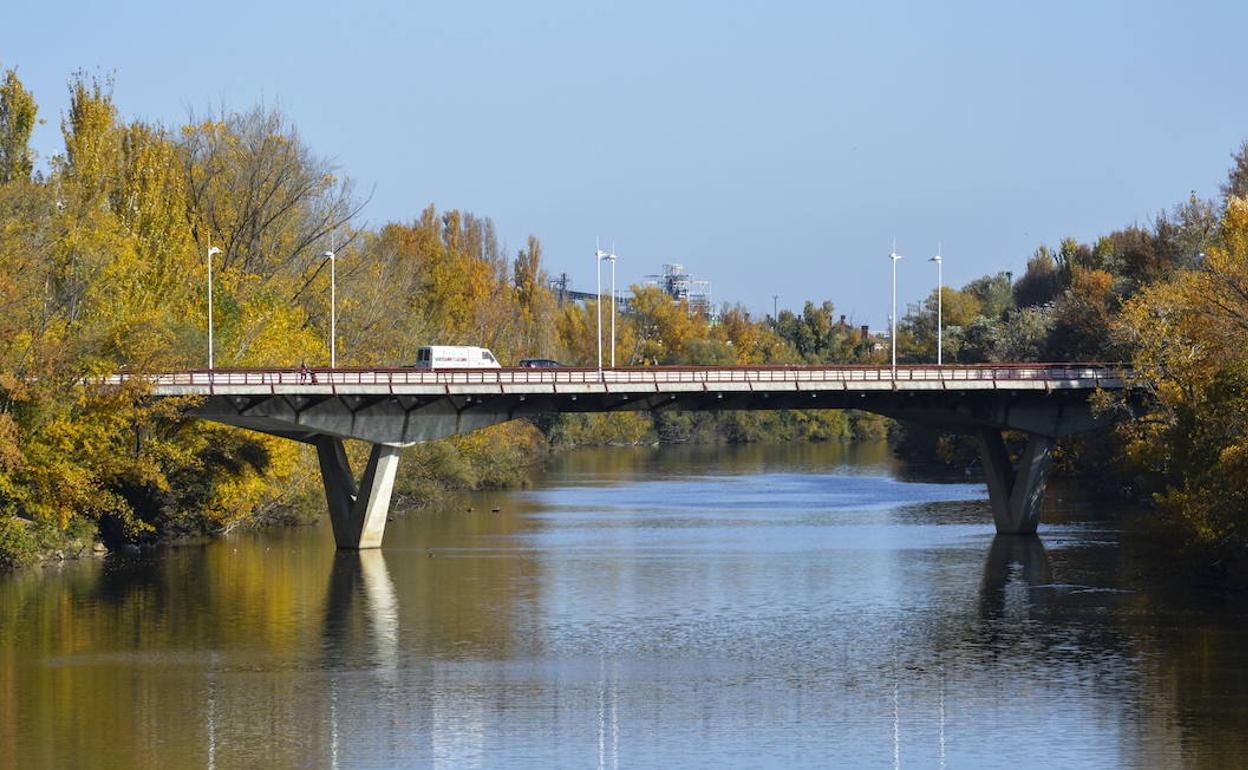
101	269
1190	342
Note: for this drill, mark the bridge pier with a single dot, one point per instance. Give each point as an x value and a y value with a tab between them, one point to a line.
358	513
1016	493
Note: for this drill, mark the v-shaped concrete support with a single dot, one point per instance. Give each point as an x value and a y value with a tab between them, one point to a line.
358	516
1016	494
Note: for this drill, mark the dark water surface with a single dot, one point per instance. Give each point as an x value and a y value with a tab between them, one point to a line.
757	606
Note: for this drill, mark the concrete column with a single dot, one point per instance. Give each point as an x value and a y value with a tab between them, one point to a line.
357	514
1015	494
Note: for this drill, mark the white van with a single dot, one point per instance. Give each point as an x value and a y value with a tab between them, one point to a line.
455	357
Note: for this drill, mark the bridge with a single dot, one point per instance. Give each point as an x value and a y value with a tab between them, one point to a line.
393	408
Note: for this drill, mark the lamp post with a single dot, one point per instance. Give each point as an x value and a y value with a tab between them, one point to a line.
892	319
333	312
611	257
211	251
599	257
940	294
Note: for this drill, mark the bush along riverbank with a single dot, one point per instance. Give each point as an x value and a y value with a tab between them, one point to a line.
743	427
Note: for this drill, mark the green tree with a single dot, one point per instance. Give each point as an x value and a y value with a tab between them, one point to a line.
1042	281
994	292
816	336
1025	336
1236	185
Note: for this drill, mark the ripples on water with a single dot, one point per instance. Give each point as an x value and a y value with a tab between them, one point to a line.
783	606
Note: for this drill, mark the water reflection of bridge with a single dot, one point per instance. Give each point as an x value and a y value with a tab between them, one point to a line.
391	408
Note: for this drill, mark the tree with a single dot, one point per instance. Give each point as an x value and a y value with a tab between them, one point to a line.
258	192
976	342
662	327
1042	281
994	292
528	272
1187	231
535	300
1236	185
1025	336
1082	318
752	342
1072	254
89	129
17	121
1134	255
814	334
1190	337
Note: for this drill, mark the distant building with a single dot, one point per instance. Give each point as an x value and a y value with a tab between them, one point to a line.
674	281
681	286
562	287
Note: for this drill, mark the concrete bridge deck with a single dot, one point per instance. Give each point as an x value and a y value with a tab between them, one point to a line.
485	382
392	408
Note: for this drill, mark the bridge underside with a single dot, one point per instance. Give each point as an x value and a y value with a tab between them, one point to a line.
389	422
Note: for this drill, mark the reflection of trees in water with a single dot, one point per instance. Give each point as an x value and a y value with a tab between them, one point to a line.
1180	665
1197	652
630	463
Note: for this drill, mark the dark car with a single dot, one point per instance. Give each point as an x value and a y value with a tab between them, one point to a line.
538	363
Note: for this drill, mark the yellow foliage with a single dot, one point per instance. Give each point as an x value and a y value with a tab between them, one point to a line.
1190	336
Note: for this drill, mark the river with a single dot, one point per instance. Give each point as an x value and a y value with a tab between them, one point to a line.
751	606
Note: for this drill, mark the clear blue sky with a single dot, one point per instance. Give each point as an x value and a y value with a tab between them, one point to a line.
772	147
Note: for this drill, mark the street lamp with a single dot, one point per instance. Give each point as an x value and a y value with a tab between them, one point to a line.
333	312
599	257
211	251
611	257
940	292
892	319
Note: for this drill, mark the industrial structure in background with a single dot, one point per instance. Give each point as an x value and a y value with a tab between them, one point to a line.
674	281
561	286
683	287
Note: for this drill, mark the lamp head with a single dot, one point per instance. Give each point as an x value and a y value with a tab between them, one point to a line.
213	250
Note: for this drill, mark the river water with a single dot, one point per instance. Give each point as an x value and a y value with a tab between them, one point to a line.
754	606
